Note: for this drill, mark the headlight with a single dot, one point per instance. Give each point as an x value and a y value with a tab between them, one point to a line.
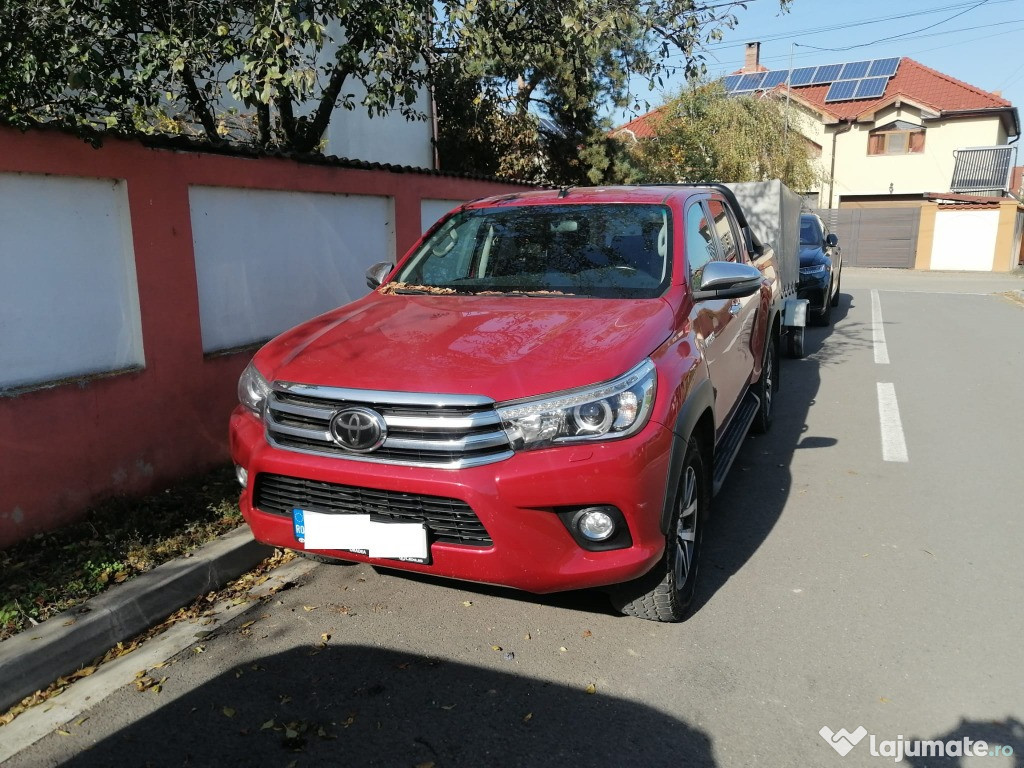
253	390
817	269
606	411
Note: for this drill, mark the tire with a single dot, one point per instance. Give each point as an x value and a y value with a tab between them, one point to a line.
839	284
766	387
666	592
824	317
795	341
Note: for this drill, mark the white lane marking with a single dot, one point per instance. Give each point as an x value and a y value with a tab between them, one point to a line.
894	444
878	330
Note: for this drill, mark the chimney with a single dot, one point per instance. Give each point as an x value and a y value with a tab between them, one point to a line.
752	63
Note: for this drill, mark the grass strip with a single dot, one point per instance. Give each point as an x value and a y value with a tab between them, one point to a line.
116	540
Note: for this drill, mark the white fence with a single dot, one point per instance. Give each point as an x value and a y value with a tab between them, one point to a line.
69	302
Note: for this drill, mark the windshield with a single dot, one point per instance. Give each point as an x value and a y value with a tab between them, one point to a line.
602	251
810	231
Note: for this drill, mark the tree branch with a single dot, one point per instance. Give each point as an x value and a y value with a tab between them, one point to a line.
286	114
199	105
310	134
263	123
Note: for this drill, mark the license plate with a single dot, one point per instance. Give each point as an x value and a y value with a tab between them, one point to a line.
359	533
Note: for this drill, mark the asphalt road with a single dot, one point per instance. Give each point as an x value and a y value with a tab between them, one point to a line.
847	582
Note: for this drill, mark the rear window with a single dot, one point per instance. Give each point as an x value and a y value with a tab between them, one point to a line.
598	251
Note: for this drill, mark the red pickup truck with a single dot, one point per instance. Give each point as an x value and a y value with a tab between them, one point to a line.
544	393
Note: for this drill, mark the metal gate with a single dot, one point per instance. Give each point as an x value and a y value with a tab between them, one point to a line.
876	237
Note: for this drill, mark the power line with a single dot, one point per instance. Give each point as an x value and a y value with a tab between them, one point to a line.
902	35
713	47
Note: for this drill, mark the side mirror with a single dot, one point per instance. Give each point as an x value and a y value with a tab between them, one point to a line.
831	240
727	280
375	275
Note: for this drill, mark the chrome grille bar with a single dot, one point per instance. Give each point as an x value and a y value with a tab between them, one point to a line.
427	430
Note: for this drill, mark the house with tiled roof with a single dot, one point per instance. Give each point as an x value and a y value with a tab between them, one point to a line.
898	142
894	133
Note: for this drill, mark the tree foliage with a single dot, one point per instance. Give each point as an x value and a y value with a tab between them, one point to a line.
157	66
704	135
567	61
273	72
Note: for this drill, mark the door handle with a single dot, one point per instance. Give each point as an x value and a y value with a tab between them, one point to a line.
735	307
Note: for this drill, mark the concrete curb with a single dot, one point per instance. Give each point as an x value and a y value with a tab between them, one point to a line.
33	659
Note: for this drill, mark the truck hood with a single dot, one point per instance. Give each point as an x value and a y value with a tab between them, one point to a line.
503	347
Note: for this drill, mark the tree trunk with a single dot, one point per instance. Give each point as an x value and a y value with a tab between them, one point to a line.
199	106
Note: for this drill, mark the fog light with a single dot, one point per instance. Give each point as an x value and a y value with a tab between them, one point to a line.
242	475
595	524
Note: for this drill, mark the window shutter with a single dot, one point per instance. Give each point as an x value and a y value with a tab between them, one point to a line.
917	141
876	144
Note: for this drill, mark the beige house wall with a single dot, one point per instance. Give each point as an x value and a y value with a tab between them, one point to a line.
1007	247
926	235
858	173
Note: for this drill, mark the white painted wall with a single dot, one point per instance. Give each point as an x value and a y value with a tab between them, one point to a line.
965	240
69	302
389	138
268	260
386	138
432	210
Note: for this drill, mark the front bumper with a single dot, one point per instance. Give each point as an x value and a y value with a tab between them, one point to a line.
516	500
815	289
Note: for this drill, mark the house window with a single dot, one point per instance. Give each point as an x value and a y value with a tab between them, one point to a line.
898	138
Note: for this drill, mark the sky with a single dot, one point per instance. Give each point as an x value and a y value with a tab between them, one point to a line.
979	42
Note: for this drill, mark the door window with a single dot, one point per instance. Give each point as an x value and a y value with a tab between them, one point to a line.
700	246
728	232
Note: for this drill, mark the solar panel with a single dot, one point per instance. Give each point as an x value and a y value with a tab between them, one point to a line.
731	82
802	76
774	78
827	73
871	88
854	70
883	67
842	90
751	82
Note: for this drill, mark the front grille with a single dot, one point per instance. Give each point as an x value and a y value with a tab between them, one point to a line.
445	431
451	521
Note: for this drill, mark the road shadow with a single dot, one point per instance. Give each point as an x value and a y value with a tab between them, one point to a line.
586	600
761	479
360	706
996	733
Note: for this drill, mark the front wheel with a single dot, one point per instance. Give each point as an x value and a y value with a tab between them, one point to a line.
667	590
839	285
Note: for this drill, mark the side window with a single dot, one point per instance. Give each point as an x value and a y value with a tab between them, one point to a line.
700	247
728	232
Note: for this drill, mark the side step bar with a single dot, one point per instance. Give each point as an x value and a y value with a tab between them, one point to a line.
732	441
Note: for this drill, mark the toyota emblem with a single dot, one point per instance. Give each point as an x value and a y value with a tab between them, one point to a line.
359	430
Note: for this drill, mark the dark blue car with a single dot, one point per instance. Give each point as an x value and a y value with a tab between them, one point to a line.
821	266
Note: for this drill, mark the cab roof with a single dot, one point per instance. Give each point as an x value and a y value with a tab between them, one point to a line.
650	194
